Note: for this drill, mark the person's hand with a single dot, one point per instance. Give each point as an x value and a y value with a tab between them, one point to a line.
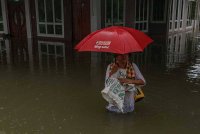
114	69
125	81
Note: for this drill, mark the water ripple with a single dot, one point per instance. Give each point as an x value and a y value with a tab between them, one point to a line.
193	72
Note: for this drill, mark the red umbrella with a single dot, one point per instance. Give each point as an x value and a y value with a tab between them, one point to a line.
115	39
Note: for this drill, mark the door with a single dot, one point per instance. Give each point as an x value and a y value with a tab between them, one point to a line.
17	19
18	32
81	19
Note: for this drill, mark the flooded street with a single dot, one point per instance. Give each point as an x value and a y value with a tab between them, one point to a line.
47	93
47	87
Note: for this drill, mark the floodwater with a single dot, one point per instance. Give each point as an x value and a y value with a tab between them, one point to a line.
44	90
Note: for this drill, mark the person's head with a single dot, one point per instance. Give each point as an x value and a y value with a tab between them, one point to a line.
121	58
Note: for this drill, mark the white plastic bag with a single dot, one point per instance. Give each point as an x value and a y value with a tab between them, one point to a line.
114	93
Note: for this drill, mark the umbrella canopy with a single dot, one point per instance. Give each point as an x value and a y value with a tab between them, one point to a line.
115	39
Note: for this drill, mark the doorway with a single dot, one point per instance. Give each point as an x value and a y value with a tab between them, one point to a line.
81	19
18	31
17	19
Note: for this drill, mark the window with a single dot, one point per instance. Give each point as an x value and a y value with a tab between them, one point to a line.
114	12
50	20
190	12
181	13
176	12
2	17
171	14
141	13
158	11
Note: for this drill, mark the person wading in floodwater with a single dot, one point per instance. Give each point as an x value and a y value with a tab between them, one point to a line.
128	74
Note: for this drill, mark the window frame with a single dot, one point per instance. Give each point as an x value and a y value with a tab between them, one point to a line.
188	19
176	16
146	20
112	19
171	17
52	23
4	22
181	14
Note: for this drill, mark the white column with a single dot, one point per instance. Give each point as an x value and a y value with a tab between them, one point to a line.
28	22
95	14
95	18
4	14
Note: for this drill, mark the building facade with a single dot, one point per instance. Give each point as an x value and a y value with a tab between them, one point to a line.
69	21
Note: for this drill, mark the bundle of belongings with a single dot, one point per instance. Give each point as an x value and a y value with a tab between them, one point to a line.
114	92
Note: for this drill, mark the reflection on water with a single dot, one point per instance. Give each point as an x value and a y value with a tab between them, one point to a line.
44	89
51	55
181	47
178	46
193	70
4	52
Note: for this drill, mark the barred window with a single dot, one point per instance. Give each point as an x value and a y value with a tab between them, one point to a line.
114	12
141	13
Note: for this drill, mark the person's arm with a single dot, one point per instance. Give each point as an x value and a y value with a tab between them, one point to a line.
110	73
138	75
131	81
107	74
139	79
113	70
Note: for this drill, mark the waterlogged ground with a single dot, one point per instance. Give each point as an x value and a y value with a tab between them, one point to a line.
42	100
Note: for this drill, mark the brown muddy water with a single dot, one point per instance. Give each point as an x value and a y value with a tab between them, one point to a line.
47	92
